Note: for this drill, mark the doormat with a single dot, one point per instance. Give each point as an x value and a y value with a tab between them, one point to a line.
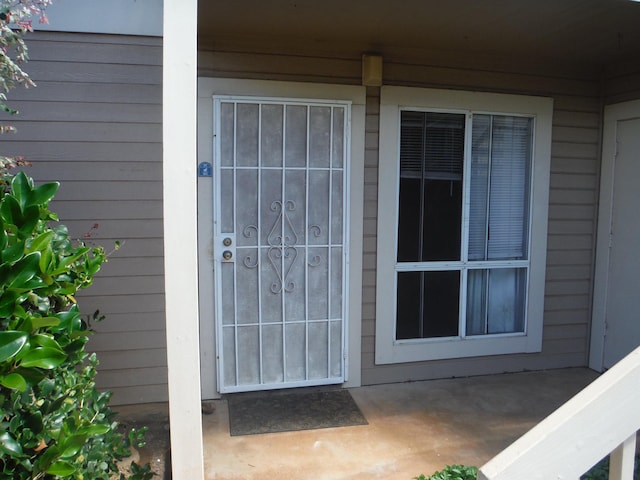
270	412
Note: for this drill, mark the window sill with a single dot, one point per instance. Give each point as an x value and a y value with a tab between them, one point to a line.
403	351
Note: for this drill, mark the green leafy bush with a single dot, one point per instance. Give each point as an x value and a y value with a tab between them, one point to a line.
53	421
453	472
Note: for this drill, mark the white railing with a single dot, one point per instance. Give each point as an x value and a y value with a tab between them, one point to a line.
602	419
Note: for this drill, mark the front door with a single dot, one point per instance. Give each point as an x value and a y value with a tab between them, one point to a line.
280	236
622	320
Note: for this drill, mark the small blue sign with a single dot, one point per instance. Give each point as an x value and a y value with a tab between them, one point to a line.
204	169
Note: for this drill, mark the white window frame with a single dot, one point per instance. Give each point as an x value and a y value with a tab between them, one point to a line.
392	101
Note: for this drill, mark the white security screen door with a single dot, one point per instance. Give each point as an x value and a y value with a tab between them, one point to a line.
280	235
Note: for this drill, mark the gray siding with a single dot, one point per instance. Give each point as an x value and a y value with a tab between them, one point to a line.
622	82
573	195
94	123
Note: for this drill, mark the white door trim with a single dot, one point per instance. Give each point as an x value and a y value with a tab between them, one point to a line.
207	87
612	115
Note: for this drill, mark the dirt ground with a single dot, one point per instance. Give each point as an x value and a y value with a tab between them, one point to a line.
156	451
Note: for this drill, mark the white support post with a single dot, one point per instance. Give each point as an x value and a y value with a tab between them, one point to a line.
622	460
180	236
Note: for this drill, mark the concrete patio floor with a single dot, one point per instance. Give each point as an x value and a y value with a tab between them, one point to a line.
414	428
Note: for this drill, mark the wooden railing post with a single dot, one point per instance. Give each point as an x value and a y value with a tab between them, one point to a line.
622	460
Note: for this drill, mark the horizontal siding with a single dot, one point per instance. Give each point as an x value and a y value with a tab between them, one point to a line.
99	112
622	81
279	67
132	378
64	48
94	123
52	132
462	78
121	322
125	304
90	92
126	157
139	394
121	359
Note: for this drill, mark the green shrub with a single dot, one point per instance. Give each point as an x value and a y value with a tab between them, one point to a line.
53	421
453	472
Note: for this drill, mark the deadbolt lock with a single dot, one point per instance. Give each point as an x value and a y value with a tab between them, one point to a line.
227	242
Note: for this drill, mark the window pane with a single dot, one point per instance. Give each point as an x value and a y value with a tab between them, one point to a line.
427	304
479	187
430	202
496	301
499	190
509	199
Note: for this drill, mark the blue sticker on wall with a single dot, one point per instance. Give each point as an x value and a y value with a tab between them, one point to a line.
204	169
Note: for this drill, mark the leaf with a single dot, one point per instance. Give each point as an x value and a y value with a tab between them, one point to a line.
42	340
33	284
61	469
10	445
14	381
67	261
11	342
32	375
37	322
41	242
4	238
72	445
29	220
91	430
8	303
34	422
10	210
13	253
43	357
43	194
21	188
24	270
70	320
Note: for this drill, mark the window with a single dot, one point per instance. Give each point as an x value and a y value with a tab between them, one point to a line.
463	197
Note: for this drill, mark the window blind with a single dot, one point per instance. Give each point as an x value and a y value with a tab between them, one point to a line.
499	191
431	145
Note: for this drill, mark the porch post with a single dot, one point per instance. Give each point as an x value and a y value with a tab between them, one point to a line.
180	236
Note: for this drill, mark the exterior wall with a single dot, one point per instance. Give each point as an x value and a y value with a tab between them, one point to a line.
574	179
122	17
94	123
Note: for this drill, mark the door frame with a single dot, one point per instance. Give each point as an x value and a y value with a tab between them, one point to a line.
207	87
612	115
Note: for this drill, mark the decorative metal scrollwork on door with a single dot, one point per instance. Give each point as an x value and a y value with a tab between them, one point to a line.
282	242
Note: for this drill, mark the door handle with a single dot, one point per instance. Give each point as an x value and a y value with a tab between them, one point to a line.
227	255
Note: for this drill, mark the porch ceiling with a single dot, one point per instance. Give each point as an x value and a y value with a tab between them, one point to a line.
592	33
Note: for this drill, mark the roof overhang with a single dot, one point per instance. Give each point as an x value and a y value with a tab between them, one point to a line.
589	33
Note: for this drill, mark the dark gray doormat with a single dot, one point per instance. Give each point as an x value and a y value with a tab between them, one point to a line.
270	412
